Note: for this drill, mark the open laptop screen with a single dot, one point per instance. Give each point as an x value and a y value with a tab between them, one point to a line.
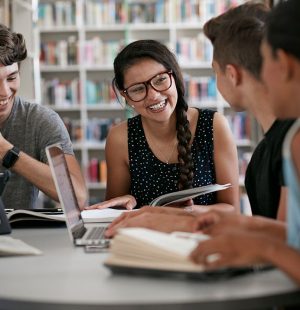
64	186
4	224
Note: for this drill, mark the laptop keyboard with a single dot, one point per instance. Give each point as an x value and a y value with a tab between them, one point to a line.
95	233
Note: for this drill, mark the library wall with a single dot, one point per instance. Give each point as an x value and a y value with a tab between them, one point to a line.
78	42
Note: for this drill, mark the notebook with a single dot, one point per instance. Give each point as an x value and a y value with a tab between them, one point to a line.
4	224
80	233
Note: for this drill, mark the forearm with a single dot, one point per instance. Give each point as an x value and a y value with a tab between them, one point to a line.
198	209
267	226
284	257
37	173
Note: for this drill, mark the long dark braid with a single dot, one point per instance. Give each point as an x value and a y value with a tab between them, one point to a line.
184	137
142	49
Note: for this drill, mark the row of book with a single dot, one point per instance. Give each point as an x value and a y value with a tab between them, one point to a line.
66	93
68	52
111	12
60	53
194	49
57	14
61	93
103	52
100	52
98	92
96	129
148	12
193	11
200	88
74	128
96	171
105	12
240	124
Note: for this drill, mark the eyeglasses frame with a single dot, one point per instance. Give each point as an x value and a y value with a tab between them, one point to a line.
146	83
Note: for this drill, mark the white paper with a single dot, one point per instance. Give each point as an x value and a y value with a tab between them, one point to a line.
11	246
101	215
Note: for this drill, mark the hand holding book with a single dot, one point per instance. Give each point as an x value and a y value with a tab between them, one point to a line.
187	194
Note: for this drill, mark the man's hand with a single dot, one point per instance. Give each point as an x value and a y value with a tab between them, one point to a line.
233	248
153	220
217	222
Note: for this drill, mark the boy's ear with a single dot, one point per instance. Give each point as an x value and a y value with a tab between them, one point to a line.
233	74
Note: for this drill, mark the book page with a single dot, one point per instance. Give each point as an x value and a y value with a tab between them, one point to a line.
10	246
187	194
162	241
141	247
101	215
23	215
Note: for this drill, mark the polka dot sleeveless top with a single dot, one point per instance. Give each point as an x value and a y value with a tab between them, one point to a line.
151	177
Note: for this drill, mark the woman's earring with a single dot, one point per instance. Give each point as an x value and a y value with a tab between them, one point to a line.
133	106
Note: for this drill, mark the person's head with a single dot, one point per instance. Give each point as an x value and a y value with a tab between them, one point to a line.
147	74
12	52
281	59
236	36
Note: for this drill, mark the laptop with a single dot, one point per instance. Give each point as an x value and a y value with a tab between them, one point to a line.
4	224
80	233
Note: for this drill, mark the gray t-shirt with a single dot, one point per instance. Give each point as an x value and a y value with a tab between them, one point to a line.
31	127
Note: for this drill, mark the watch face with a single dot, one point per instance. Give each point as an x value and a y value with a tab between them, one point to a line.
10	157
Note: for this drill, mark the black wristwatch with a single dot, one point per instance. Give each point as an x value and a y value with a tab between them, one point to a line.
10	157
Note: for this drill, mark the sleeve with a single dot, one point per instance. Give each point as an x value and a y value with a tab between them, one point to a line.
51	130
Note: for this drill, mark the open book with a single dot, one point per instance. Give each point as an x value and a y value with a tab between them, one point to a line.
187	194
56	216
35	216
144	251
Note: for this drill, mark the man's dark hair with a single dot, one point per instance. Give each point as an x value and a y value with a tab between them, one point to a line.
236	36
283	27
12	46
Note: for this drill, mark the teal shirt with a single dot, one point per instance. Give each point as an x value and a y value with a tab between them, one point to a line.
292	181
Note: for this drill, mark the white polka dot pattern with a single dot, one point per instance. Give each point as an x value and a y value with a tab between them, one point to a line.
151	177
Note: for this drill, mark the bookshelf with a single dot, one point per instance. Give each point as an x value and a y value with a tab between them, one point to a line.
4	12
78	41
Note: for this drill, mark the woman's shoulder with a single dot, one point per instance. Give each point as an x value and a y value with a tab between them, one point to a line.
119	128
118	133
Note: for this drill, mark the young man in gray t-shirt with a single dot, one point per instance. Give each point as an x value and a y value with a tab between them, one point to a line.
25	130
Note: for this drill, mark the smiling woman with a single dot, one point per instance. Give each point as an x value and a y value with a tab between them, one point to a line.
168	146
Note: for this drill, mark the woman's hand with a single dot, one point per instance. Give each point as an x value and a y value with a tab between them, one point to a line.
127	202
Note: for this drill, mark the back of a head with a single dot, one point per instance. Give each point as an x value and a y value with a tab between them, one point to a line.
12	46
283	27
237	34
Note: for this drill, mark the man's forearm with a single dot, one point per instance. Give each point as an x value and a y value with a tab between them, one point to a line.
270	227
